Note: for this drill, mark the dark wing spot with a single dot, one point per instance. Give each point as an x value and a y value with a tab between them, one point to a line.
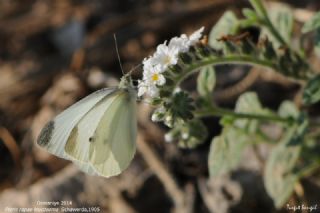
46	134
91	139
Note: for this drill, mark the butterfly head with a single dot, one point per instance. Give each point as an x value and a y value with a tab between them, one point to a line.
126	82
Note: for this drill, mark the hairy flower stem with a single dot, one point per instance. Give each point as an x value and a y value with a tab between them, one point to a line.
233	59
261	10
230	59
217	111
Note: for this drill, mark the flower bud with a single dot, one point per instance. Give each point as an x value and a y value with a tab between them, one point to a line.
168	137
158	114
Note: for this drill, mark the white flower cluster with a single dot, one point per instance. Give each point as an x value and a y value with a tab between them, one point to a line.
166	55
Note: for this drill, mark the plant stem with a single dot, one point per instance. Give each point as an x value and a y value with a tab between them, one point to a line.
307	171
262	12
231	59
217	111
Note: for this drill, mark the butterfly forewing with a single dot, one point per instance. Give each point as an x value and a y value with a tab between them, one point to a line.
82	135
54	135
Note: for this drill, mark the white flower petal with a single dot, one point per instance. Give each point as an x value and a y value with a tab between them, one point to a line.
179	43
153	91
194	37
161	81
165	55
142	89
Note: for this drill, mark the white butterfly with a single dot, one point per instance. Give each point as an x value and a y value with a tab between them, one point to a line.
98	133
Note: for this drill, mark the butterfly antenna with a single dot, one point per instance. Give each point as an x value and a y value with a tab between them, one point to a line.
134	68
118	55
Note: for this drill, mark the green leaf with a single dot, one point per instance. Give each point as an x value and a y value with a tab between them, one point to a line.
258	7
226	25
249	103
281	17
226	151
249	14
281	173
278	178
311	93
288	109
206	81
312	24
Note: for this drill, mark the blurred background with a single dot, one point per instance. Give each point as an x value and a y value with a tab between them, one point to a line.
52	53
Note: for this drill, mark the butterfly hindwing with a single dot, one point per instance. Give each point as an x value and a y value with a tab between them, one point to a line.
86	167
113	145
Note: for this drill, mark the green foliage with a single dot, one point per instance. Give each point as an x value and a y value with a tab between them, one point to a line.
206	81
281	173
312	24
227	24
279	177
250	15
249	103
311	93
226	149
259	9
292	155
188	134
281	17
288	110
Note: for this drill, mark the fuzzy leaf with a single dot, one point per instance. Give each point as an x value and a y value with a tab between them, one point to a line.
312	24
249	103
288	109
258	7
226	151
281	17
206	81
280	173
226	25
311	93
278	178
249	14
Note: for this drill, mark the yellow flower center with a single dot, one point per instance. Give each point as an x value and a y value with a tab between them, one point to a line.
155	77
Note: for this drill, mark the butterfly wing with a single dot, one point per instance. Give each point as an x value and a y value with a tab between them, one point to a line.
54	135
78	143
86	167
113	144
